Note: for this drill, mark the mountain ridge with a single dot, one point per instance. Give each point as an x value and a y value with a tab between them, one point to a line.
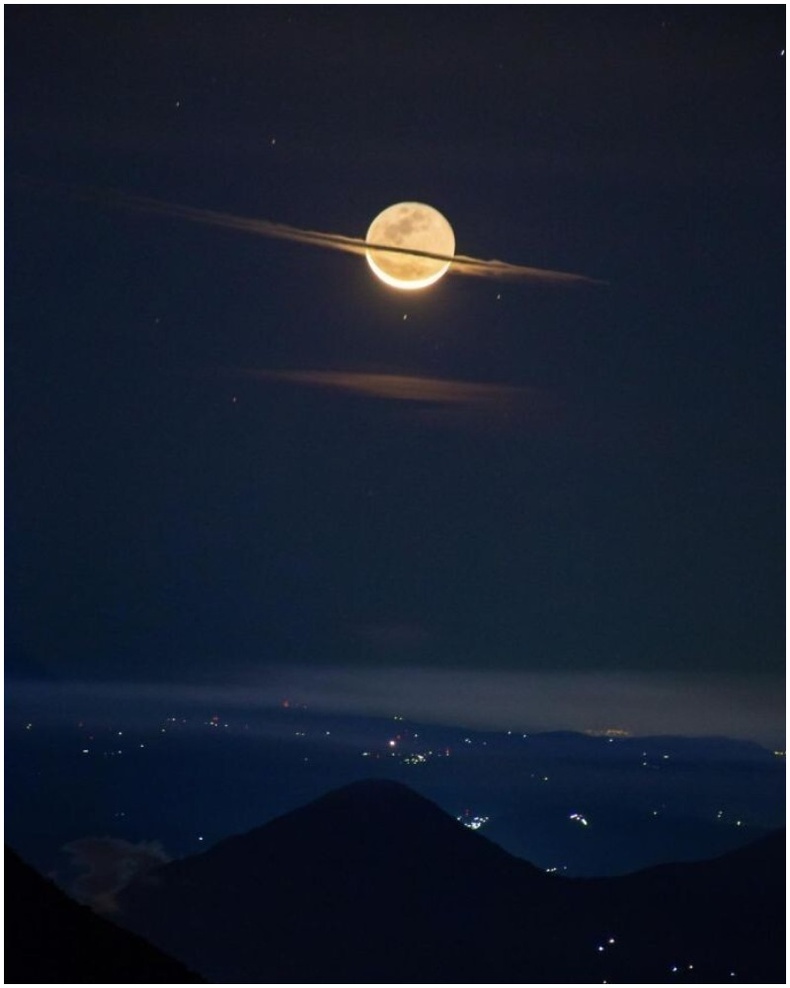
373	882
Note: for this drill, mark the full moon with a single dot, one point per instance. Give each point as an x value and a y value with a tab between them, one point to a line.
411	226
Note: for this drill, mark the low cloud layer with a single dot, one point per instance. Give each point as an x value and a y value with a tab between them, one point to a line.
108	864
745	707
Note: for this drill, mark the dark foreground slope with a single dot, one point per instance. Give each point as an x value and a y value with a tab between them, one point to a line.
50	939
373	883
702	922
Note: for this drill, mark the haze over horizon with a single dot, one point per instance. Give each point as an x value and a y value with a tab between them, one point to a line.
636	704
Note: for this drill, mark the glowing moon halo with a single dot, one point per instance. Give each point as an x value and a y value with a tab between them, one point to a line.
414	226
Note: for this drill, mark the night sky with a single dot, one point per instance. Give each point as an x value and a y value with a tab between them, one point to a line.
210	483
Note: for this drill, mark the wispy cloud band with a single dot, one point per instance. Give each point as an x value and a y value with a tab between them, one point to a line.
398	387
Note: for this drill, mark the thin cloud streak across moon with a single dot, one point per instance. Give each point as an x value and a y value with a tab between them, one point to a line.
460	263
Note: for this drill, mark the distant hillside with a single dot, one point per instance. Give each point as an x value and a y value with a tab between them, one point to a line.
49	939
374	883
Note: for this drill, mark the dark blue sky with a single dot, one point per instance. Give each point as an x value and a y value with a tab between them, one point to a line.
171	515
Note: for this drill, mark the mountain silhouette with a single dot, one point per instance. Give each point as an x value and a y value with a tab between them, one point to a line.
50	939
374	883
